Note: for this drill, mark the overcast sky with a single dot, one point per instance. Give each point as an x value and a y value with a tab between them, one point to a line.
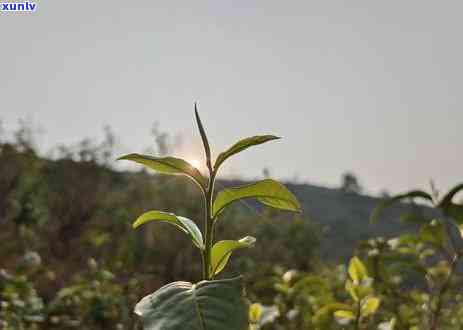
373	87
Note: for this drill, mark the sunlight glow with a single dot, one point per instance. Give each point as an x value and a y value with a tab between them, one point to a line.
195	163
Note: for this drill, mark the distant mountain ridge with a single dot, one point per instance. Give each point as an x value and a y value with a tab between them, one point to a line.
345	217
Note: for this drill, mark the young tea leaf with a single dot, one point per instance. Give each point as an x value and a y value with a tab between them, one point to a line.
255	313
369	306
269	315
357	270
269	192
222	250
324	313
168	165
242	145
207	148
184	224
344	314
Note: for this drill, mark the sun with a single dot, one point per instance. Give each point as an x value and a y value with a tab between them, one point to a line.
195	163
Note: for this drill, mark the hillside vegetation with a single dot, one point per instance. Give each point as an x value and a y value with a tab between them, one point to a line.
70	260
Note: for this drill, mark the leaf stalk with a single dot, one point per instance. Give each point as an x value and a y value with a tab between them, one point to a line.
209	226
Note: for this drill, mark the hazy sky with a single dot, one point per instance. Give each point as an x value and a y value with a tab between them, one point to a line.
373	87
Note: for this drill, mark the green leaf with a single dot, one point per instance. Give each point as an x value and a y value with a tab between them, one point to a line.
447	199
255	313
369	306
222	250
357	270
414	217
268	192
390	201
184	224
169	165
390	325
358	291
433	233
352	289
70	291
344	314
207	305
322	316
450	209
455	211
454	234
242	145
207	148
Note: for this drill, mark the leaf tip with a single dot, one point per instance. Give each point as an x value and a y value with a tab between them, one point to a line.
248	240
127	157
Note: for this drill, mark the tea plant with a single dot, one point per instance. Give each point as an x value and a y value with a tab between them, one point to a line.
406	282
211	304
299	296
363	303
20	305
93	300
438	247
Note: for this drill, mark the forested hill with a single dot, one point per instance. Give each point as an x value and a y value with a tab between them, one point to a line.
58	206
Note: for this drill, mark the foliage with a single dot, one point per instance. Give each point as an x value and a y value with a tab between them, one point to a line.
406	282
94	300
21	306
196	306
364	303
213	305
69	260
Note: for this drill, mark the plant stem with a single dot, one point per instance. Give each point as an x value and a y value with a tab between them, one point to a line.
440	298
209	227
357	319
203	260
